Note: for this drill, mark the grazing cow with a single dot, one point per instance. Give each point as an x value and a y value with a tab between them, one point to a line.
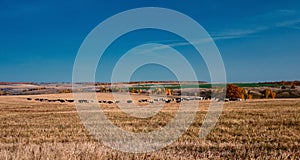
199	98
129	101
186	99
168	100
143	100
37	99
29	99
70	101
150	101
82	101
161	99
178	100
235	99
99	101
110	102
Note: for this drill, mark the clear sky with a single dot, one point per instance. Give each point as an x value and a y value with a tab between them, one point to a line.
258	40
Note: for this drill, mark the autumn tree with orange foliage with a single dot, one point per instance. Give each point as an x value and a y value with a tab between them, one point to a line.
169	92
234	92
269	93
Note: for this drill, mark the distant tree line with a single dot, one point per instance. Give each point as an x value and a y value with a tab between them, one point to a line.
234	92
287	83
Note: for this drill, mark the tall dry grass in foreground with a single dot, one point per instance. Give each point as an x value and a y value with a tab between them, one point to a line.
260	129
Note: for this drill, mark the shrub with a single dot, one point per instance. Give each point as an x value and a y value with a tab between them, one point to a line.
115	89
4	93
133	90
66	91
102	89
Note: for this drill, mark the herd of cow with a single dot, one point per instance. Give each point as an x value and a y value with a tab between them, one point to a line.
166	100
51	100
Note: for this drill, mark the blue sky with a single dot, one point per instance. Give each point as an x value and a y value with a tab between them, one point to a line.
258	41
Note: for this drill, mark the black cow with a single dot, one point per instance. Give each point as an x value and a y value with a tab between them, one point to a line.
178	100
110	102
83	101
143	100
168	100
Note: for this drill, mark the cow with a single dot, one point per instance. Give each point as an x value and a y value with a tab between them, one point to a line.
199	98
150	101
178	100
110	102
186	99
61	100
143	100
83	101
168	100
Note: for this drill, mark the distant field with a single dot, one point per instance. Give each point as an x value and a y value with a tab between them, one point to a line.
205	85
258	129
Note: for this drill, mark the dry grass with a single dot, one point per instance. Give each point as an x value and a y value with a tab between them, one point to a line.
256	129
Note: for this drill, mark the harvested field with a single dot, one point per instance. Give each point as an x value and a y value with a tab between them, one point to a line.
261	129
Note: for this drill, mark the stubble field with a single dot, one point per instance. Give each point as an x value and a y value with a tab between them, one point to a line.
260	129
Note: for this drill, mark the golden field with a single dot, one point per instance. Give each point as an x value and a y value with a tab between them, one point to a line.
252	129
